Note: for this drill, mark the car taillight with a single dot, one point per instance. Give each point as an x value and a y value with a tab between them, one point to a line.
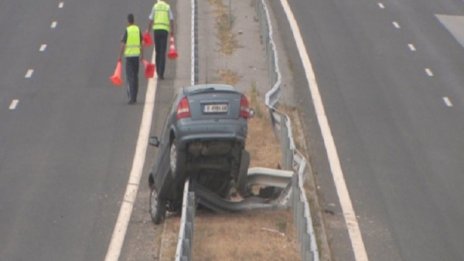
244	107
183	109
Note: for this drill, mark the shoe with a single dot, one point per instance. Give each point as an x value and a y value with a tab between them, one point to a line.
161	77
131	102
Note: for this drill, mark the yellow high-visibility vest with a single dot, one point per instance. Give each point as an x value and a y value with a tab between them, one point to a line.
133	44
161	20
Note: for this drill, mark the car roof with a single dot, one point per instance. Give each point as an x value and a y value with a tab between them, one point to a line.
210	87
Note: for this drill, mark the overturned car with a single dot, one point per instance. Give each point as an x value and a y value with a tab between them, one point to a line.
203	139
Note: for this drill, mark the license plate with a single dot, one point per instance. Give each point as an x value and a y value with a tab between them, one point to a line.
216	108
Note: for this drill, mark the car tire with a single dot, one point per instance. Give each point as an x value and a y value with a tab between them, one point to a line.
243	173
176	160
157	207
173	157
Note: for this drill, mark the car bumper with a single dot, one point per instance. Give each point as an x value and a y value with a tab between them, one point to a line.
188	131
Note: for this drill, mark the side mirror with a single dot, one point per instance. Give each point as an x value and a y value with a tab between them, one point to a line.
154	141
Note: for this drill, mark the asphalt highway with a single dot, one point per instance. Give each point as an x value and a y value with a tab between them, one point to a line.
389	73
67	137
390	77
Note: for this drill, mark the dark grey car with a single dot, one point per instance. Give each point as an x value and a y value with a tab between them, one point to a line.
203	138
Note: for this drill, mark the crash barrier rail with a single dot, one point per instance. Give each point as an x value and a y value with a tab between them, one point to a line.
291	157
264	177
185	240
194	40
186	227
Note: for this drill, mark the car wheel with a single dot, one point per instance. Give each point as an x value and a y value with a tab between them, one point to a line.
243	173
157	207
176	160
173	157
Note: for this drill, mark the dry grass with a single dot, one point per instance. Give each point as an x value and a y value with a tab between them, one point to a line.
249	236
297	129
224	23
262	143
169	239
228	76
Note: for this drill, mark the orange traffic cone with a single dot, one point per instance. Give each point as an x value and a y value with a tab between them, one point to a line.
149	69
116	77
147	41
172	54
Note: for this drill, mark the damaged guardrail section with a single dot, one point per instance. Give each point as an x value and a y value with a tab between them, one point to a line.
291	157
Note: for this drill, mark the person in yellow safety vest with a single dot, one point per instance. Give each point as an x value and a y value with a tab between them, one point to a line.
161	20
131	48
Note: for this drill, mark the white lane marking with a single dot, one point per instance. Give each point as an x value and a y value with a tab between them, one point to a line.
351	221
29	73
429	72
120	228
447	101
43	47
396	25
412	47
61	5
381	6
54	24
14	104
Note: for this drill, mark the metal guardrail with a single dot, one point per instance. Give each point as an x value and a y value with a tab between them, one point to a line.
186	228
291	157
194	75
185	240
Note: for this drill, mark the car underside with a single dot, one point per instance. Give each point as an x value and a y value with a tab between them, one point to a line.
214	164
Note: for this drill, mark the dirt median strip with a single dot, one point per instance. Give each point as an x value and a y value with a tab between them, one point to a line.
264	235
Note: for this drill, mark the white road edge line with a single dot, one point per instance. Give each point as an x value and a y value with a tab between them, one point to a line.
354	231
429	72
43	47
396	24
447	101
412	47
29	73
127	204
381	6
14	104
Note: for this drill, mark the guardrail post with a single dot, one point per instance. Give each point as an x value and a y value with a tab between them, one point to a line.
295	191
283	142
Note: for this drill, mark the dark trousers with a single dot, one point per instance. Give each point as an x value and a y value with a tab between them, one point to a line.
161	41
132	75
